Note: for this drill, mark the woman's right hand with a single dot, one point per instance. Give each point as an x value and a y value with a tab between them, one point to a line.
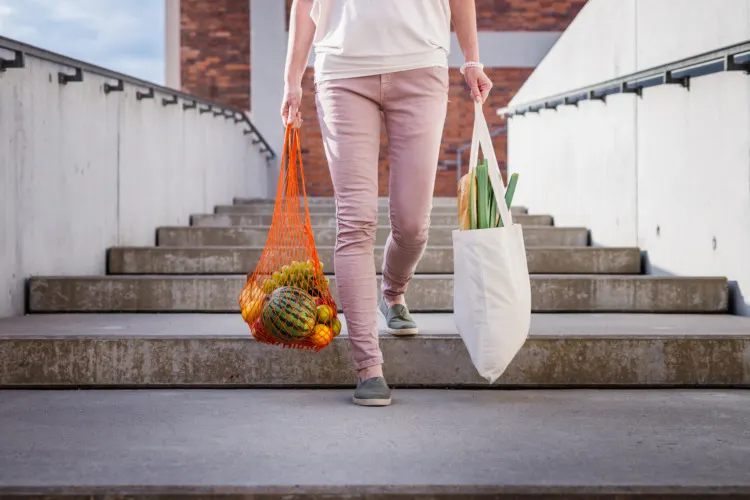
290	112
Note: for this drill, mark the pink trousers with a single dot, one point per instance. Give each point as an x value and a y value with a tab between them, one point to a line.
412	105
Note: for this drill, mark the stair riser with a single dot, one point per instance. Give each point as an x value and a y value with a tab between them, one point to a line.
219	294
160	260
250	220
423	361
442	236
355	491
328	201
329	210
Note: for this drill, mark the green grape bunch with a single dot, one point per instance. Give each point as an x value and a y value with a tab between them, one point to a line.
298	274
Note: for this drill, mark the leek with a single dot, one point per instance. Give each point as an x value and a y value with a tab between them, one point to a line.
482	193
509	191
490	199
472	201
493	208
483	210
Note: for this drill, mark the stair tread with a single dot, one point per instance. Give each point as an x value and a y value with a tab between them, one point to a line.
326	235
630	277
222	325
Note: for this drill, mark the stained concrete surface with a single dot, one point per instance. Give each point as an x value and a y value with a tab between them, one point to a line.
193	350
324	209
181	236
435	260
269	437
426	293
228	325
245	219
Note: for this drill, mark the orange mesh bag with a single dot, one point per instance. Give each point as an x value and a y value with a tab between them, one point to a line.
286	300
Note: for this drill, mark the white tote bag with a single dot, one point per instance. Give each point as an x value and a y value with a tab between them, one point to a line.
491	287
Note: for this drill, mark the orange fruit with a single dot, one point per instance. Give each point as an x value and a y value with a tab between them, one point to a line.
250	292
321	335
251	310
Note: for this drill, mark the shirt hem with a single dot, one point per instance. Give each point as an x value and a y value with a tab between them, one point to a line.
322	74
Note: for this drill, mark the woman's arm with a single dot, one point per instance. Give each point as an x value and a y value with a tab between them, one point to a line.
301	33
464	17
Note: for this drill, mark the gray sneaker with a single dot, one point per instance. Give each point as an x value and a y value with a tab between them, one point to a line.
398	321
372	392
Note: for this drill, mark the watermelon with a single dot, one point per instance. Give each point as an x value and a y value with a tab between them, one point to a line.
289	314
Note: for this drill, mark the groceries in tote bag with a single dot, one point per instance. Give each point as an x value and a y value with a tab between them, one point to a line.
286	300
492	290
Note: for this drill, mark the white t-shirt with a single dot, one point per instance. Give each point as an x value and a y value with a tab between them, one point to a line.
368	37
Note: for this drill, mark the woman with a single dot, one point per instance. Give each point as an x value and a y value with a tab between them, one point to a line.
384	58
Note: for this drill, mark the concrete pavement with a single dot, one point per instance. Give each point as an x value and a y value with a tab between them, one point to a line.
524	441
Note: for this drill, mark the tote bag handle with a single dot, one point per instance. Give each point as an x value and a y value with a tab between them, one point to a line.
481	138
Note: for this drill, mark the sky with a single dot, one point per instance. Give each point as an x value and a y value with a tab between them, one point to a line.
121	35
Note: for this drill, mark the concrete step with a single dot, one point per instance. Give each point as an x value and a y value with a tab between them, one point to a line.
328	201
329	209
427	293
436	260
188	236
563	350
429	445
329	220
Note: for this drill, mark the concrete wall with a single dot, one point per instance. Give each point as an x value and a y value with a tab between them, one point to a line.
669	172
81	171
268	36
172	74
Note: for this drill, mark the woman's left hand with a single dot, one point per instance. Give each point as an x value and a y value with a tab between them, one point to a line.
479	83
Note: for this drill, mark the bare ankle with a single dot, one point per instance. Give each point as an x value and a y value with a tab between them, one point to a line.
392	301
370	372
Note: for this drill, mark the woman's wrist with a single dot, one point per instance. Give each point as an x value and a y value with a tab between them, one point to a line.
293	81
471	63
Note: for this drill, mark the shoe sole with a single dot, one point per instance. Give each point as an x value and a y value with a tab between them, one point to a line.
401	332
371	402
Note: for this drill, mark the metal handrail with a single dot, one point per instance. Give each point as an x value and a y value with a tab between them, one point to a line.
731	58
460	152
192	101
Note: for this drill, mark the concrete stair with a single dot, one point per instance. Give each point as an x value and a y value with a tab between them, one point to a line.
329	220
427	293
436	260
206	350
328	209
534	236
168	315
328	202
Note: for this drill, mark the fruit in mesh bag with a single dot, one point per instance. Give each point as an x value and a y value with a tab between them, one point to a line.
251	310
251	302
298	274
324	313
288	314
321	336
260	334
336	327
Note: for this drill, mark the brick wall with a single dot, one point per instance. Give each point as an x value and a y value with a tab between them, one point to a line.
216	64
519	15
492	15
525	15
215	50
